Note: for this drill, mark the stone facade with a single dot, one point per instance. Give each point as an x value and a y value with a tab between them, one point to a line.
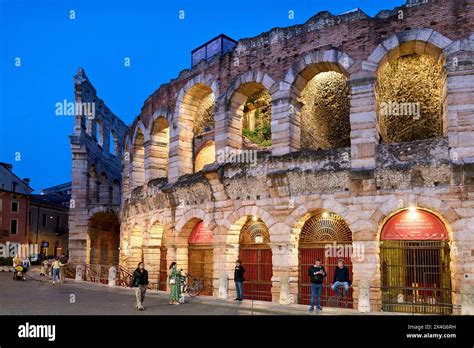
363	183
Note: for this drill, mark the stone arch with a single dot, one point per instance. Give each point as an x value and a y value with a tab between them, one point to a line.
157	148
138	155
103	229
313	79
252	84
190	97
433	267
426	115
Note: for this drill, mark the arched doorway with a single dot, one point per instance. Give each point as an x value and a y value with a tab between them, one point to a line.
104	235
325	236
414	259
256	256
200	256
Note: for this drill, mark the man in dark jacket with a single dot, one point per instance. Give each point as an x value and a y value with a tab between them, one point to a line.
239	280
316	275
140	282
341	278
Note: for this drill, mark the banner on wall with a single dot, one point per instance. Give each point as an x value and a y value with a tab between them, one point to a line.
414	225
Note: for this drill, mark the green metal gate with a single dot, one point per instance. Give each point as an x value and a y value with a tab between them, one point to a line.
416	277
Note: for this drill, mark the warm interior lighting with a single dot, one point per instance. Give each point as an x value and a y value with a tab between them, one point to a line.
325	215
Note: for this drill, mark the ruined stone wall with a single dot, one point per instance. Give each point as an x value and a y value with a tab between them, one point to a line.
96	172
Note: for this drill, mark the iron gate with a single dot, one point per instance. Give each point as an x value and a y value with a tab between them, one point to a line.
256	257
324	236
416	276
200	265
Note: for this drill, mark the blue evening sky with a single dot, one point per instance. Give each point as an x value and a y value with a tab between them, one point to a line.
51	48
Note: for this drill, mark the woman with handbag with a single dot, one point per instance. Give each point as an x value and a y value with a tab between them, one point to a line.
175	284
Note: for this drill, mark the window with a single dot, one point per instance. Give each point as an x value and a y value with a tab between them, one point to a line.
44	220
14	207
13	226
14	185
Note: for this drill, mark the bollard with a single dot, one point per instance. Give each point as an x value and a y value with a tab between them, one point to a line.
467	300
364	298
223	286
79	272
112	276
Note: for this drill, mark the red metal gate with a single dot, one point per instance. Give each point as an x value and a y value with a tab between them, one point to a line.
256	257
324	236
307	257
258	273
163	269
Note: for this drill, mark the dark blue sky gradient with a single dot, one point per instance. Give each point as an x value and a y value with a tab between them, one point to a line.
52	47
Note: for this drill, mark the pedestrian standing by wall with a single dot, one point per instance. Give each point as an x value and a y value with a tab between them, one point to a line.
174	279
239	280
316	274
55	268
140	282
63	263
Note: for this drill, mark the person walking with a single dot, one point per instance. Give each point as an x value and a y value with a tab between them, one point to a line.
55	269
239	280
140	282
175	283
316	274
63	261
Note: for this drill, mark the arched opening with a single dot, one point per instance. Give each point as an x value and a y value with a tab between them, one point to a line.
200	255
325	110
411	93
104	236
415	260
251	105
326	236
152	253
196	123
113	143
138	160
256	256
205	155
159	149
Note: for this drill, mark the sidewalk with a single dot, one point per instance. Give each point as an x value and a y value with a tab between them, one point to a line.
258	307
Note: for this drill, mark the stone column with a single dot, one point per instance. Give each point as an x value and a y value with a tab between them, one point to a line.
364	135
285	122
459	107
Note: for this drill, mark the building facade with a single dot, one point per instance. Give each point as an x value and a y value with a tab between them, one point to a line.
14	206
345	137
48	220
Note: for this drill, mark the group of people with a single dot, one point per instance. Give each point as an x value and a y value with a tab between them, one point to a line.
140	283
56	267
317	273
